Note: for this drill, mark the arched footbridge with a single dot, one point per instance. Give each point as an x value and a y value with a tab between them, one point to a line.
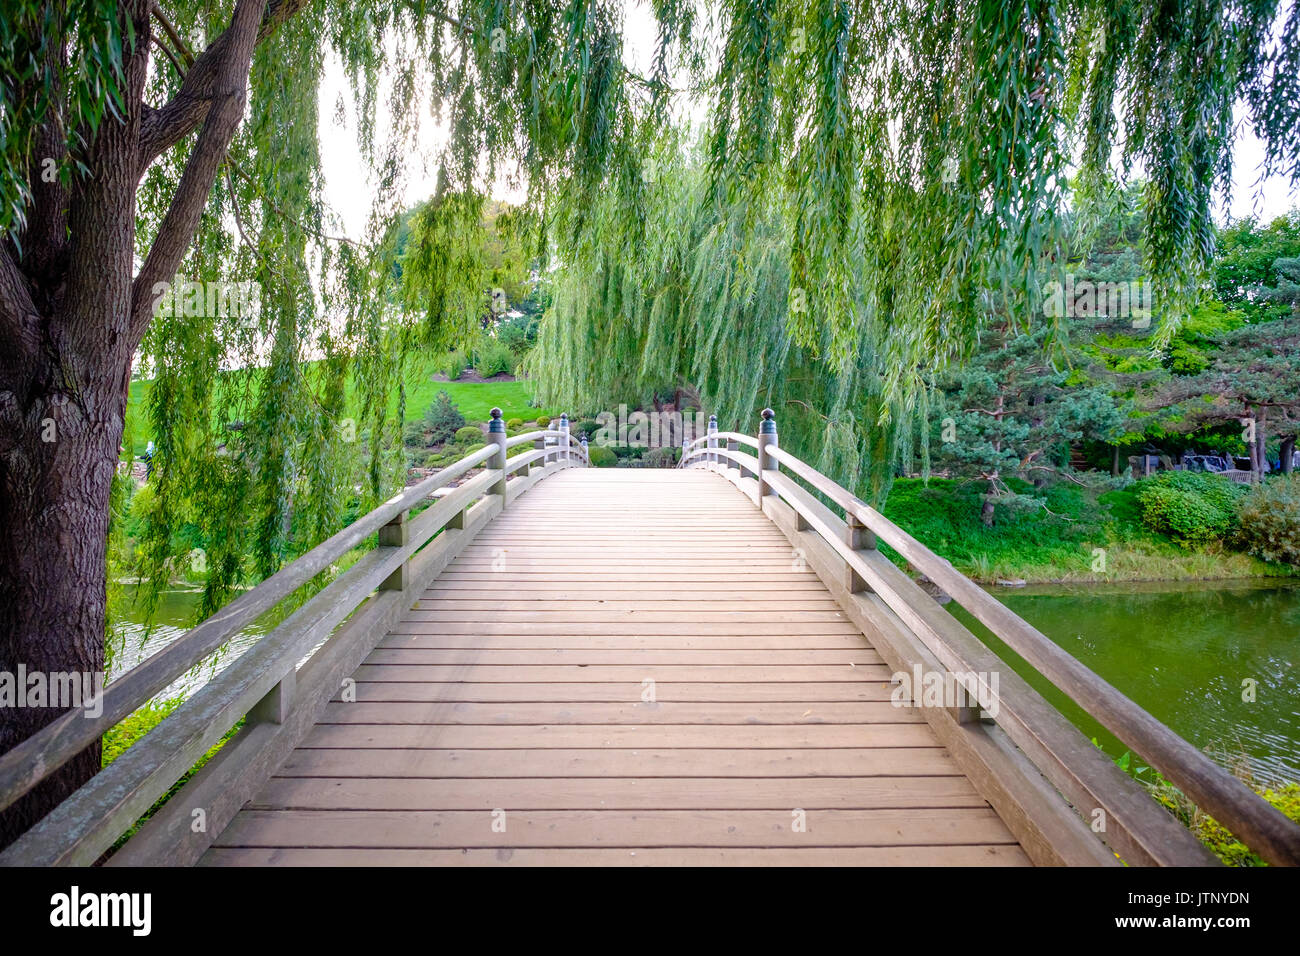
541	662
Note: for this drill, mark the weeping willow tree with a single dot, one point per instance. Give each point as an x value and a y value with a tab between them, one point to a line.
880	166
878	182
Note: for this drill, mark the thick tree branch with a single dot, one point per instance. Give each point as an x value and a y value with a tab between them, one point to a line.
225	85
166	126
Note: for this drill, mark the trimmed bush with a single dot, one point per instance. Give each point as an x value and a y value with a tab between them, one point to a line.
1191	507
468	435
586	427
1270	520
470	449
515	423
602	457
543	421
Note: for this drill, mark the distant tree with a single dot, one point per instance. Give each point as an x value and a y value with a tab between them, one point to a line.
1256	267
1253	379
1011	413
443	419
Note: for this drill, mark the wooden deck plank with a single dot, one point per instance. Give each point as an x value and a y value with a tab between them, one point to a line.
518	682
623	762
786	692
972	855
430	829
618	793
621	712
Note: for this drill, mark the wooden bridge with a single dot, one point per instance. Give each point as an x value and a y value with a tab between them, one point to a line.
624	666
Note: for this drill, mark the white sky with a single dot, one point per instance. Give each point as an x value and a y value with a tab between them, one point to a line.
350	184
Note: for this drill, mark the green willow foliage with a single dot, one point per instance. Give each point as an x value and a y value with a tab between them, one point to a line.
876	179
885	179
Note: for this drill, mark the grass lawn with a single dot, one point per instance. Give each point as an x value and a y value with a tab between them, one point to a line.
475	400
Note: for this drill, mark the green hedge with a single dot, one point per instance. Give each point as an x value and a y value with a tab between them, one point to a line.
1191	507
602	457
468	435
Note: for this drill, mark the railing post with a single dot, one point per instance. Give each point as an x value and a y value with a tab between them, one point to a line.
564	436
539	444
860	538
586	453
497	434
766	437
553	437
275	706
713	438
395	535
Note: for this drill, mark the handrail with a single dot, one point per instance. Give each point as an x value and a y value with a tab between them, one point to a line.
31	761
1227	799
81	827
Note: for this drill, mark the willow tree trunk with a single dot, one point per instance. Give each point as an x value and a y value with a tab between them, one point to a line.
73	310
54	486
1287	453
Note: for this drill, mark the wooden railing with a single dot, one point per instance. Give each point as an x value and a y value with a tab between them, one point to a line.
278	686
1029	762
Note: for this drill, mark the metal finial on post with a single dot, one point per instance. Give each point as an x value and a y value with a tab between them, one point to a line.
766	437
586	455
564	436
497	435
713	438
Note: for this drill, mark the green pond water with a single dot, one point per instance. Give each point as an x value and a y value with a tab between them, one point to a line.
173	617
1182	651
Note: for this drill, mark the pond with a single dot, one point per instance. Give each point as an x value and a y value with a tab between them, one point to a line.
174	616
1183	652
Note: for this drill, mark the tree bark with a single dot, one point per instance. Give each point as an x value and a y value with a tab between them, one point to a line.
1287	453
72	316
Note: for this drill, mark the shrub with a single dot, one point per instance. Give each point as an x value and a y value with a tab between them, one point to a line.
494	358
661	457
1191	507
515	423
586	427
627	451
1270	520
454	365
543	421
470	449
414	434
442	419
468	435
602	457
